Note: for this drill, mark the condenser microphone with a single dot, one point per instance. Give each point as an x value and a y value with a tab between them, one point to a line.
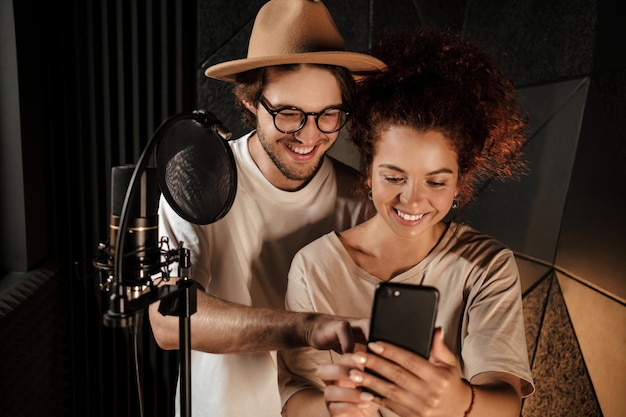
134	226
141	257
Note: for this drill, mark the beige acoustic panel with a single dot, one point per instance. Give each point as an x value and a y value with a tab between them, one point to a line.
563	385
531	271
534	305
600	326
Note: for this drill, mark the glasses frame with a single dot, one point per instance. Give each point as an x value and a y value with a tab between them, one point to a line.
316	115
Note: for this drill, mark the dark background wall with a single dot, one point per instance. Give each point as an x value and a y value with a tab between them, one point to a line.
84	85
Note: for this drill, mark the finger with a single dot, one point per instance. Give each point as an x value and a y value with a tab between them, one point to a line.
332	374
361	329
404	358
440	354
401	395
359	347
335	393
339	371
397	408
340	409
441	358
345	337
348	401
342	394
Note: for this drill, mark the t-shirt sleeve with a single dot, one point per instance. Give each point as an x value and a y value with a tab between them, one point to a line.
495	338
297	367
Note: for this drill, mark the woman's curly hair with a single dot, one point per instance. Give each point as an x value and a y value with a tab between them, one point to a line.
440	80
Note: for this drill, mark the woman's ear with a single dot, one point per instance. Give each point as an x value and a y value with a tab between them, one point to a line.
459	185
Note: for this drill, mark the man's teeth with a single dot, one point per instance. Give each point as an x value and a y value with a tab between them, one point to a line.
301	150
410	217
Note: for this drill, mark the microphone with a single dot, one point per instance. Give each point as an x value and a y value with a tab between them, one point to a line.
141	244
141	257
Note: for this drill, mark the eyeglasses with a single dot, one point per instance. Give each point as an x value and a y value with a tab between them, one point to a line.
291	119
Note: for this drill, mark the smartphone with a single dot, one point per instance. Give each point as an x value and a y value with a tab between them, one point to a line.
404	314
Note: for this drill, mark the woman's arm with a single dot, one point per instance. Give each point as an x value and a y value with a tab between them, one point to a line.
432	387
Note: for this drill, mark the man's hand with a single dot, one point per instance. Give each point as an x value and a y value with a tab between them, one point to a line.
336	333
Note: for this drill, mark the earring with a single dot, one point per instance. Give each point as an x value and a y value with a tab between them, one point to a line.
369	194
455	202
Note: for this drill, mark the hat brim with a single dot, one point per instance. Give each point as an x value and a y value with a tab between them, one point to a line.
358	64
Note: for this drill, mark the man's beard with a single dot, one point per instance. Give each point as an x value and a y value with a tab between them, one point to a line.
293	171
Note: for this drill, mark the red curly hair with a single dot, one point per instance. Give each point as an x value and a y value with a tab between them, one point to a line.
441	80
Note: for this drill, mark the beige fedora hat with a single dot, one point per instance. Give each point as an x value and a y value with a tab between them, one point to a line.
295	32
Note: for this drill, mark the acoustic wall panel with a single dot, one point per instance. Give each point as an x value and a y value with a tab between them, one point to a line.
534	304
526	215
598	322
563	385
596	207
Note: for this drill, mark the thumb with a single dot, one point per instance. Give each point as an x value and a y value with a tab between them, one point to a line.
439	352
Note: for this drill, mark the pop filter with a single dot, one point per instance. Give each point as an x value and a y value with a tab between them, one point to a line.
196	169
196	173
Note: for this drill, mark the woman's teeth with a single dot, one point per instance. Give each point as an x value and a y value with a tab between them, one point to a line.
409	217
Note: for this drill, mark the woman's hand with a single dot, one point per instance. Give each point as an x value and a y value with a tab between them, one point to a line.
415	386
343	397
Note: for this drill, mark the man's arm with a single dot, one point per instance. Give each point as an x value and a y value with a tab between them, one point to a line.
220	326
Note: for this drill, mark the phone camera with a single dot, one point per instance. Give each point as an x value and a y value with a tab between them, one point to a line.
390	292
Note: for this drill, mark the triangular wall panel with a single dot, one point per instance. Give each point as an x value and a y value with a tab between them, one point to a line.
563	385
526	215
600	326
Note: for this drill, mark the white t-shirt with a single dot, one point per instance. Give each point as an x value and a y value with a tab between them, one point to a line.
480	304
244	257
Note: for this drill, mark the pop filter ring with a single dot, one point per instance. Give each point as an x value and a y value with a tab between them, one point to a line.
196	170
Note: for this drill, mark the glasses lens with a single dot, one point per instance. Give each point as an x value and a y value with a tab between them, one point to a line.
331	120
289	120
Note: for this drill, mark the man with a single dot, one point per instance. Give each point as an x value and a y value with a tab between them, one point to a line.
295	89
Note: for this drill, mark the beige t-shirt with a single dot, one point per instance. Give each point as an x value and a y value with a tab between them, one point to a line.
480	304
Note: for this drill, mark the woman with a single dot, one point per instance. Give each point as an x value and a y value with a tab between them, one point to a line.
440	121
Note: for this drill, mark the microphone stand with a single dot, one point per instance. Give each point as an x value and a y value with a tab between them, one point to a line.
179	300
